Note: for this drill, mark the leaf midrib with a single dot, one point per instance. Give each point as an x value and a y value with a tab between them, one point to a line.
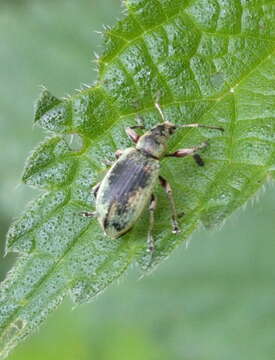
215	99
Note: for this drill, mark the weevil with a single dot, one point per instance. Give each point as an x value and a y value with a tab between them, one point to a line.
127	188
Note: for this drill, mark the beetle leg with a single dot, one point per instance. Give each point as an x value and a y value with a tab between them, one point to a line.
152	208
87	214
132	134
191	151
95	189
198	159
130	131
118	153
165	184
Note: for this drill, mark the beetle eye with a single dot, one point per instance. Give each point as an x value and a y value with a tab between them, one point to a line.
172	129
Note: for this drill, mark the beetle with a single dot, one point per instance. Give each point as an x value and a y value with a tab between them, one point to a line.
127	188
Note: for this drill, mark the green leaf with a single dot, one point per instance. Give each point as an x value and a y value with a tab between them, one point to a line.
212	62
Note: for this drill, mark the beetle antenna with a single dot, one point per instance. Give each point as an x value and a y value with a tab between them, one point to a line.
157	105
201	126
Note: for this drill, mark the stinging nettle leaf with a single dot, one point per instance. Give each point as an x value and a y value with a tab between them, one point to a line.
211	62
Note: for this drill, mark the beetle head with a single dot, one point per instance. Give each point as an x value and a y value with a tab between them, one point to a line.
154	141
164	130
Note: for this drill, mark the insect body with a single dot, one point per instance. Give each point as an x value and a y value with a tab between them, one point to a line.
125	191
128	186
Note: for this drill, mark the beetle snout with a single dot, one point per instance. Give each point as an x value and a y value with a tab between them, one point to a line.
170	127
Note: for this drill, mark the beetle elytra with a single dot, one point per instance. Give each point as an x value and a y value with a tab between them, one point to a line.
127	188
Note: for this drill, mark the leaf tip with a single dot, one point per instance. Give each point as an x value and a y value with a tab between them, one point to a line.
52	113
45	102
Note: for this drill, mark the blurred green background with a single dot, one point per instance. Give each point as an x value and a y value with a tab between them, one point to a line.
213	300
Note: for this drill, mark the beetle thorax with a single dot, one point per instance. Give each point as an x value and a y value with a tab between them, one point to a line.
154	142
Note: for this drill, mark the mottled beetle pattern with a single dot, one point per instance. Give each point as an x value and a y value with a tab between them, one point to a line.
127	188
